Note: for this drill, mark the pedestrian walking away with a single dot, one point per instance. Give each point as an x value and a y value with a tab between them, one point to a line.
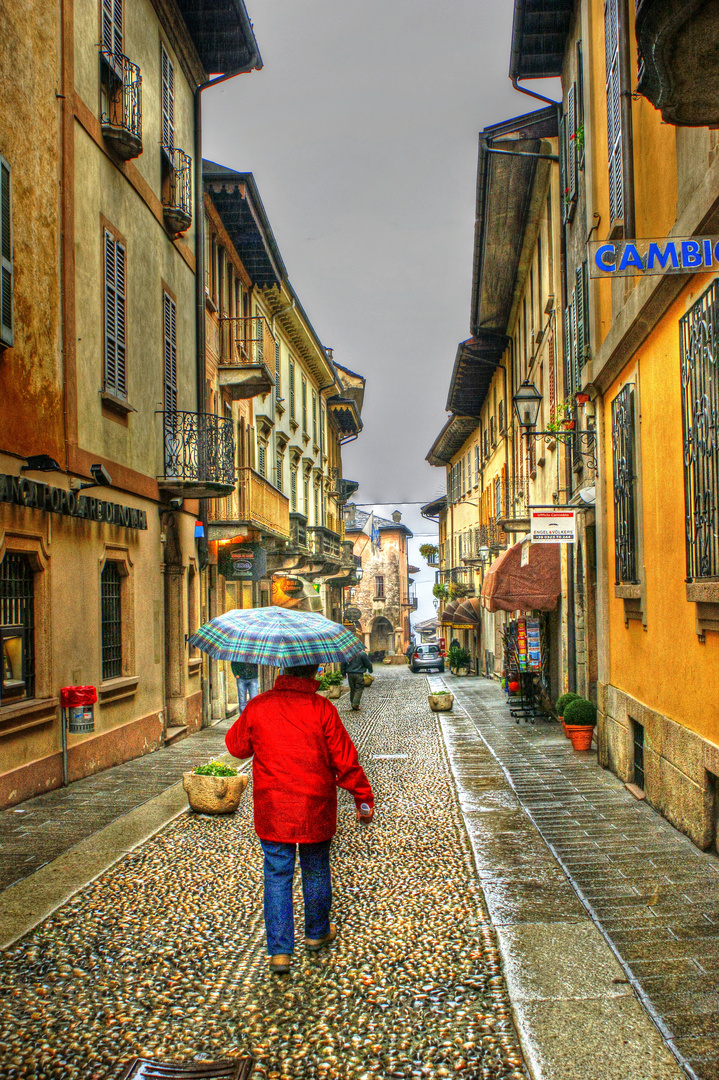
246	676
302	754
355	670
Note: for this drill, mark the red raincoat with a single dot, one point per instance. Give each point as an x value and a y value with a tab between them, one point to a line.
302	753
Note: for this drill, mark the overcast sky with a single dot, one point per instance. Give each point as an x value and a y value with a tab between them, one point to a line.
361	131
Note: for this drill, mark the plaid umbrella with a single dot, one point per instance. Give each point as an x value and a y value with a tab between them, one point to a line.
276	636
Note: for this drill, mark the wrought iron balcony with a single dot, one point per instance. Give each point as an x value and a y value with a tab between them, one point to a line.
514	516
121	115
199	455
246	347
176	189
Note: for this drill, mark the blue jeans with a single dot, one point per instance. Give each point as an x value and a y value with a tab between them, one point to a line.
246	690
316	892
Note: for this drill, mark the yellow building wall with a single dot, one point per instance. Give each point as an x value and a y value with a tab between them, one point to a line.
665	666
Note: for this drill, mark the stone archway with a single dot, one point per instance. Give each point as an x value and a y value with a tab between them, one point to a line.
381	637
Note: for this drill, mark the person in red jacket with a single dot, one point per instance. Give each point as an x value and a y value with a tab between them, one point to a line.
302	754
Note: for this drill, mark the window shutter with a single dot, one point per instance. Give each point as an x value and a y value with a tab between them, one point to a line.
168	101
293	490
278	471
170	352
582	317
6	256
575	344
292	390
614	115
476	463
115	317
262	458
572	141
277	372
112	27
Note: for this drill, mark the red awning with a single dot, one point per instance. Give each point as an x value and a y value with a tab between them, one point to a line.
509	586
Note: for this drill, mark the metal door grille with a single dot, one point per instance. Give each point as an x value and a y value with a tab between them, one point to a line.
625	531
638	754
699	355
111	622
17	608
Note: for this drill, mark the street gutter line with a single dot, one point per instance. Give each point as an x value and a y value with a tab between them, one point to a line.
631	977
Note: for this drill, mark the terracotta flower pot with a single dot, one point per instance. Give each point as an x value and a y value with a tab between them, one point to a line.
214	794
580	735
568	425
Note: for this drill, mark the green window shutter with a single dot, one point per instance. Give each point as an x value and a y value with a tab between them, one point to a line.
115	374
6	256
568	358
572	141
614	114
581	292
278	396
170	352
563	185
292	390
168	100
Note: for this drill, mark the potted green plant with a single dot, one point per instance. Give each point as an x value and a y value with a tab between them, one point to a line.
459	660
457	590
331	685
562	703
430	553
563	420
580	716
440	591
453	657
214	788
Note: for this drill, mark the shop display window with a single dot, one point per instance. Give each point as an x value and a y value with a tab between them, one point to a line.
16	629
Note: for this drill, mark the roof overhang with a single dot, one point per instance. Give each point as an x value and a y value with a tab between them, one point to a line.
539	35
237	201
222	35
476	361
505	185
345	415
435	508
451	439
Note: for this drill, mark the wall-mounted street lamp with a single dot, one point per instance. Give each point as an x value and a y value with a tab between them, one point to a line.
527	401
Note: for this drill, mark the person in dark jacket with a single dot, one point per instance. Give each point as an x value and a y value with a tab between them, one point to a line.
302	754
354	669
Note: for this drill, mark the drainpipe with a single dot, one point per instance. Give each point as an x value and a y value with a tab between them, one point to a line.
254	62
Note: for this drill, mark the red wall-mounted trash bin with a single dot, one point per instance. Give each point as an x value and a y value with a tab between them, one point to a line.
78	702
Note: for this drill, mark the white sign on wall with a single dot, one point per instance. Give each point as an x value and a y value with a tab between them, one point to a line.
554	526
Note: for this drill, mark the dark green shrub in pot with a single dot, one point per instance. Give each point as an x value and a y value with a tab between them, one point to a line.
580	713
563	701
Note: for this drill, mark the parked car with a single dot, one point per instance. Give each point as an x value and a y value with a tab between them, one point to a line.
426	657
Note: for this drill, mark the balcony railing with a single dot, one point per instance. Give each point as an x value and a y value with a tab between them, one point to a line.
176	189
246	340
298	532
246	348
262	505
121	116
324	542
515	514
199	454
493	536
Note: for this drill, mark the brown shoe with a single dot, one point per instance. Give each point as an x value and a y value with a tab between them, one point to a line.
280	965
315	944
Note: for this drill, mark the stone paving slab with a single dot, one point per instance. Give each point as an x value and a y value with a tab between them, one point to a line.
45	827
577	1015
653	895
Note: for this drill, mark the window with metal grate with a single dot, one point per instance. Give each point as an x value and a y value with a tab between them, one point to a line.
111	617
17	628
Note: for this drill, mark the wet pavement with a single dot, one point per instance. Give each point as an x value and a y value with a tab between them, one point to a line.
40	829
616	865
164	953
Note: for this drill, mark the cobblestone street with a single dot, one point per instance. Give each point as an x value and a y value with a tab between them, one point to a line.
511	911
164	954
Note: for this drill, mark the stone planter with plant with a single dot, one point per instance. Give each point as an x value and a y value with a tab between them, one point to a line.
214	788
580	716
441	702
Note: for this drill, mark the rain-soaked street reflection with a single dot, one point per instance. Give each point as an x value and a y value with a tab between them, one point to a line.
164	954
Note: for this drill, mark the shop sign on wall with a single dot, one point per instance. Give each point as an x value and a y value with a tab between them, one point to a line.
22	492
554	526
242	562
668	255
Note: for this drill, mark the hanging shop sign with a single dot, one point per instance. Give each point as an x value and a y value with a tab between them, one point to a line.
21	492
553	526
353	614
670	255
242	562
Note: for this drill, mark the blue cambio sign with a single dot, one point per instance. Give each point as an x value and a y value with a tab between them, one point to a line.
635	258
